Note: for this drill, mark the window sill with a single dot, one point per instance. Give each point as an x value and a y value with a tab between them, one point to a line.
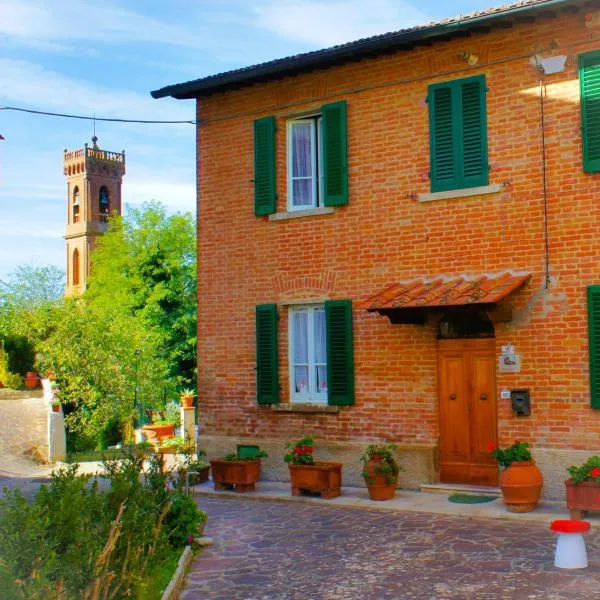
464	193
298	214
296	407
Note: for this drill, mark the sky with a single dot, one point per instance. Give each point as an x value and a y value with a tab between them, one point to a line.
104	57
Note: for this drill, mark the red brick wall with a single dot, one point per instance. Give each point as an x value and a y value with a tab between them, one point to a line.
384	235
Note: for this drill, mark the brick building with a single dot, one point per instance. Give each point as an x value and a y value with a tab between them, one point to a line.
396	241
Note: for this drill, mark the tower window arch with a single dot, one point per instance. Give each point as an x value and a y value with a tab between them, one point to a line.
104	204
76	205
75	266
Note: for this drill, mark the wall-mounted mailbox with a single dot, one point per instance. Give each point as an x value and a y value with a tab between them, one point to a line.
521	403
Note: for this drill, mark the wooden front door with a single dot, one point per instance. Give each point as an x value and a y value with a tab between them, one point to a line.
468	412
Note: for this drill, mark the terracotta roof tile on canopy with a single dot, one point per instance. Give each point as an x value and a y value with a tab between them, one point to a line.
445	291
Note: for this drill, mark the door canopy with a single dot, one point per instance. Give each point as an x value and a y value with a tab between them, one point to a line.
410	301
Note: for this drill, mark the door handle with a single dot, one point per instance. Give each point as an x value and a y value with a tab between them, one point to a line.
452	396
483	397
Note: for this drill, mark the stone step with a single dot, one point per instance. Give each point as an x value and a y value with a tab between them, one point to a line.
459	488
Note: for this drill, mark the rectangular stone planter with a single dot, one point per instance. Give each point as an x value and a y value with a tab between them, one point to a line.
324	478
582	497
239	474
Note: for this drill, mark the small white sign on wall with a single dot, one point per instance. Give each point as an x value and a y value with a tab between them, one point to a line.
505	394
509	363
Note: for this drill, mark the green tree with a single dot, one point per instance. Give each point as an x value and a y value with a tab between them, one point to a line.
28	297
29	286
146	266
103	359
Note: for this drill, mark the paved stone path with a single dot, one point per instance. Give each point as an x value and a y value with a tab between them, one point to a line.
275	550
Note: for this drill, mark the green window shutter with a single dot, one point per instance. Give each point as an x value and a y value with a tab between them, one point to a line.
473	157
589	82
267	374
442	138
335	160
264	166
593	303
340	353
458	134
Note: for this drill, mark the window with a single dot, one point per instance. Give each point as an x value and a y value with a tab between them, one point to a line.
589	82
458	134
76	204
321	356
308	354
305	164
317	164
75	267
103	204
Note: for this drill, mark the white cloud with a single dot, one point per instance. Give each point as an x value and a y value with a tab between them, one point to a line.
324	23
25	81
92	21
174	195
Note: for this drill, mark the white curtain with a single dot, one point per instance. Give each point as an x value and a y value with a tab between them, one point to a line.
301	351
321	350
302	175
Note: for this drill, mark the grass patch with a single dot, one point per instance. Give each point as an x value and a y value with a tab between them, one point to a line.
158	578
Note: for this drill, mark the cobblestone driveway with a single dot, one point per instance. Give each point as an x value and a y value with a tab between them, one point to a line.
275	550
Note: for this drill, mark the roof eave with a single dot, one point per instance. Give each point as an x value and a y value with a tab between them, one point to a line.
269	71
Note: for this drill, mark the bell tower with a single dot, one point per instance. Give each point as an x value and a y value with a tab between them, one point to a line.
94	179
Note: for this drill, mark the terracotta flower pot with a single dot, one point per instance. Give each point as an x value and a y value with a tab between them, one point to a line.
199	476
240	474
31	380
56	408
156	433
521	484
582	497
187	401
324	478
381	486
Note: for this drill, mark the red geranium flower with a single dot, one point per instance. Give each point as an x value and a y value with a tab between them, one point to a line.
491	447
595	472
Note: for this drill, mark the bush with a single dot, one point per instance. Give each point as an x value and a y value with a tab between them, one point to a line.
111	434
76	540
21	354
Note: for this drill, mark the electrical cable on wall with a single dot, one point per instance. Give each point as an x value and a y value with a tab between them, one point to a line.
94	118
545	183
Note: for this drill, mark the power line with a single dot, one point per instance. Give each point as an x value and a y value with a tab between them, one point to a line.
67	116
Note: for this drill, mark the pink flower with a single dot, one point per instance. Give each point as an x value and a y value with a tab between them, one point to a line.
190	539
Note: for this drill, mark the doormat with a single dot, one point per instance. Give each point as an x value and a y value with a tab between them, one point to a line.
470	499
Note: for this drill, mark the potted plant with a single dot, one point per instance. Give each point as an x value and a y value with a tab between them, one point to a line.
31	380
235	472
173	445
520	480
56	405
197	467
187	398
162	427
583	487
308	475
380	471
